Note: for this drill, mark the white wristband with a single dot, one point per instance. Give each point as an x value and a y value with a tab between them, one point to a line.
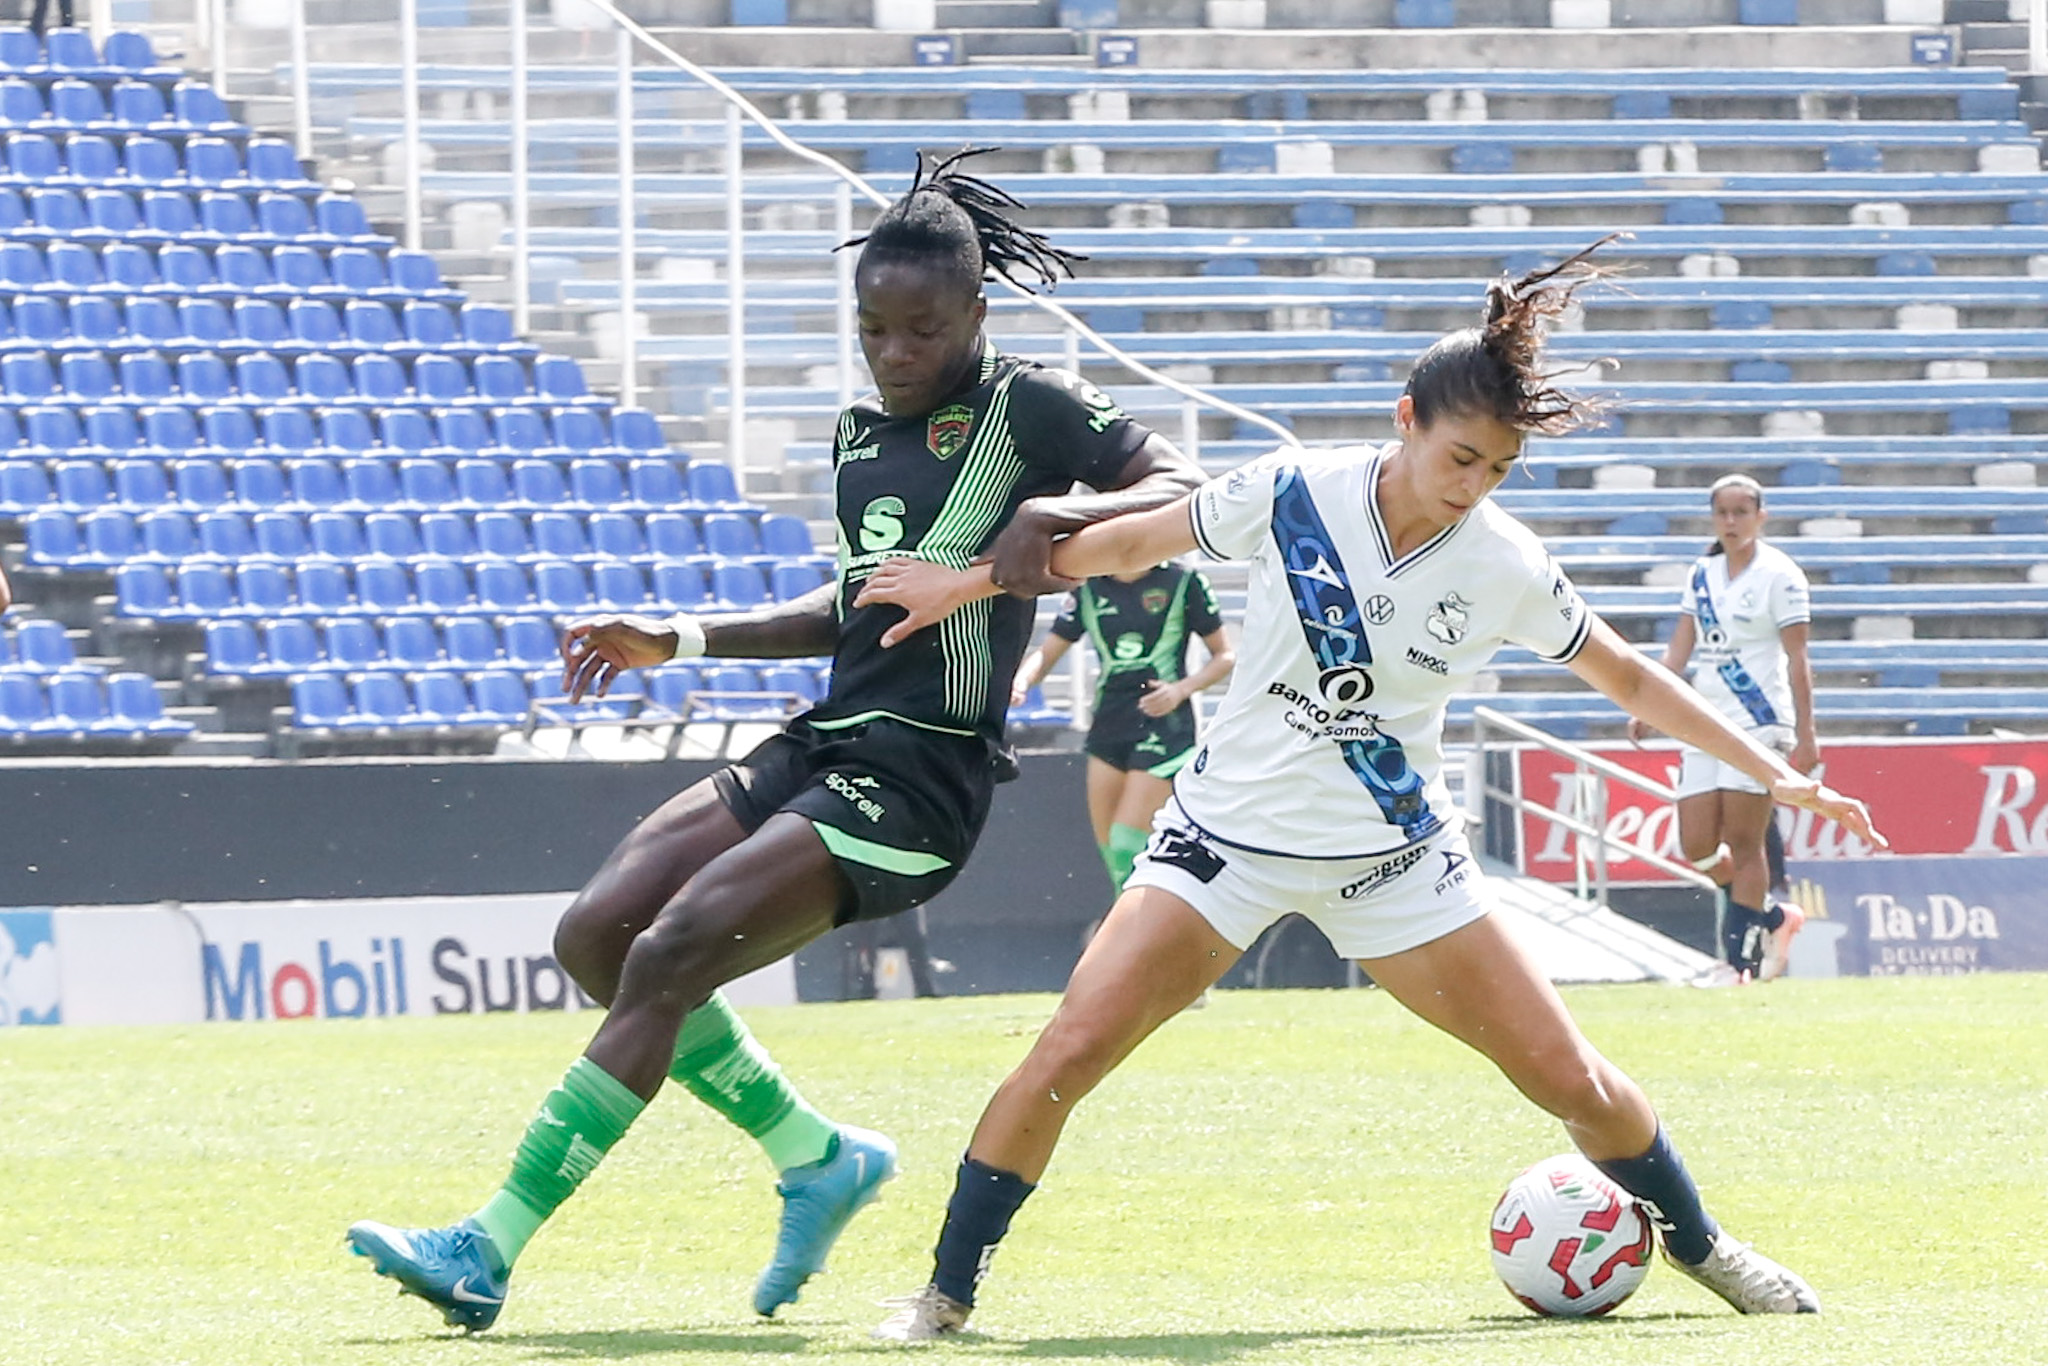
689	635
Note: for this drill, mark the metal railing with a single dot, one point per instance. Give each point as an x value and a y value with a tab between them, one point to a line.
1587	818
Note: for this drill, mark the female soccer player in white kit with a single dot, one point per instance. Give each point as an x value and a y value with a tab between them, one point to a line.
1742	624
1381	581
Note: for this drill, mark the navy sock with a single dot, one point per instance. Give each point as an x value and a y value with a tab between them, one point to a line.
1661	1184
1772	917
1741	944
977	1217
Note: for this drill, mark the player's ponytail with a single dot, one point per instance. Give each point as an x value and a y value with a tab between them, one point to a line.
949	217
1496	370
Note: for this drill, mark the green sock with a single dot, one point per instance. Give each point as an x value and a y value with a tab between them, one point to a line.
577	1125
725	1067
1126	842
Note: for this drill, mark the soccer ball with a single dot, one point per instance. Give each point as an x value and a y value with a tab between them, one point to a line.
1568	1242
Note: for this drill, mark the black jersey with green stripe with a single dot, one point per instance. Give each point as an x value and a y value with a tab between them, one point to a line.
939	487
1140	630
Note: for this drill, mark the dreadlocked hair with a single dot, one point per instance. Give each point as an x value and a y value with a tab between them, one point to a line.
1495	370
949	216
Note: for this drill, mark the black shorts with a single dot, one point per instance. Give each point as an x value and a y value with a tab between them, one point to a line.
899	807
1125	738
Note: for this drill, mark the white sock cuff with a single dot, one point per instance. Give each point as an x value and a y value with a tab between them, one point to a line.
1707	863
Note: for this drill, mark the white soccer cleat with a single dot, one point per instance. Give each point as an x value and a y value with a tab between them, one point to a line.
1778	943
1722	975
1750	1281
923	1317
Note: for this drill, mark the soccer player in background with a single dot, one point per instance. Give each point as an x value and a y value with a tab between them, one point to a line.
1382	580
1743	624
862	807
1143	726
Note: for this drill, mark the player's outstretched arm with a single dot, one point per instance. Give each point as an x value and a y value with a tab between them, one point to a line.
1652	693
1020	559
929	592
597	649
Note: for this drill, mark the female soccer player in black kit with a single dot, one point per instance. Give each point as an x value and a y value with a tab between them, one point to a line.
864	806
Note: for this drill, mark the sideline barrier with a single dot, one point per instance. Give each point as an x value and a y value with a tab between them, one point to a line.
286	960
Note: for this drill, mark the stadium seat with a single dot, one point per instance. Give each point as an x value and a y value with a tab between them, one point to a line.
384	587
43	645
618	586
319	701
537	484
134	702
656	484
680	586
596	484
471	643
380	699
441	698
730	536
263	589
558	535
500	535
560	586
501	697
232	648
290	645
167	535
616	536
228	536
711	485
671	536
502	586
393	535
737	587
531	643
412	643
352	643
336	536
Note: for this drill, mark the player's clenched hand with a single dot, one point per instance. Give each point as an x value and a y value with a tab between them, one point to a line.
926	592
1020	561
1822	800
596	650
1160	698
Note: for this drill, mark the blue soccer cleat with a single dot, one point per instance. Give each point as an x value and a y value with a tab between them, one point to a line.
446	1267
817	1202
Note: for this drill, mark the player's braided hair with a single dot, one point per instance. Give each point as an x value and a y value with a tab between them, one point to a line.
947	215
1495	370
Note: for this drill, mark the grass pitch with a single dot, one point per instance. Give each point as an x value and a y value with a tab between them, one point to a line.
1287	1177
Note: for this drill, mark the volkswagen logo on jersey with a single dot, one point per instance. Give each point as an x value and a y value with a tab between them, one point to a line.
1379	609
1347	685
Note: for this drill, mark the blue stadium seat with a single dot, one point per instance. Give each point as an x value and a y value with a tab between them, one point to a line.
228	536
109	538
87	376
346	431
41	319
285	216
392	534
680	586
581	431
789	581
673	536
404	431
227	216
24	707
203	377
22	266
441	586
206	324
78	702
21	103
204	590
323	379
152	161
380	699
73	265
290	645
167	536
58	213
263	589
81	484
556	535
199	483
487	326
412	643
242	269
441	698
352	643
383	587
196	104
531	643
319	702
169	214
301	270
143	591
447	533
114	213
656	484
336	536
135	704
24	487
370	324
20	49
471	643
559	379
596	483
96	320
371	483
359	272
616	536
273	162
670	685
261	378
43	645
261	323
230	431
731	536
33	159
414	272
71	50
482	484
441	379
711	484
737	587
520	431
426	483
232	648
380	379
800	680
258	484
500	535
461	430
502	586
537	483
138	107
500	379
618	585
213	161
141	483
287	431
501	696
184	268
560	586
341	217
315	325
28	375
428	325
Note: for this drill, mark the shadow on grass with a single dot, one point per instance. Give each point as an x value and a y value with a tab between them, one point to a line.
623	1344
1477	1333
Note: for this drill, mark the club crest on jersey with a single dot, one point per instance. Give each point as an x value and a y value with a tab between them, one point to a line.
1153	600
1450	619
945	432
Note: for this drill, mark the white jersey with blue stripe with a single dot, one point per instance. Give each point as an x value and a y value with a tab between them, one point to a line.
1329	743
1738	662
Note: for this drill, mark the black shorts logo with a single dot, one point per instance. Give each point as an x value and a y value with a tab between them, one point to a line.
1191	856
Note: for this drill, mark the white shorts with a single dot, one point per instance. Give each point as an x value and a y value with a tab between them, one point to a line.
1700	772
1367	907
